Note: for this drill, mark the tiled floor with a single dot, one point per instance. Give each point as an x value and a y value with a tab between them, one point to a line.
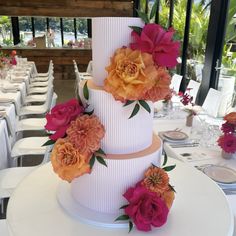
65	89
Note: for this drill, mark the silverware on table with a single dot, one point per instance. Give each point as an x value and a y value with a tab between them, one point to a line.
180	145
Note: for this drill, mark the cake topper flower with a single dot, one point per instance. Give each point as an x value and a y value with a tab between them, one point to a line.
158	42
77	136
150	200
139	73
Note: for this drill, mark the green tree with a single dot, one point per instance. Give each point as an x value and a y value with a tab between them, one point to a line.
5	26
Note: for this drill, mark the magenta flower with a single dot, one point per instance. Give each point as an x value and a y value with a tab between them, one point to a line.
158	42
145	208
227	128
61	115
227	142
186	99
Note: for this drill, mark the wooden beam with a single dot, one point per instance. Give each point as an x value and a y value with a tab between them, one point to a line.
68	8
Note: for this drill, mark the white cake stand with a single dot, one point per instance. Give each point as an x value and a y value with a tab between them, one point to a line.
200	208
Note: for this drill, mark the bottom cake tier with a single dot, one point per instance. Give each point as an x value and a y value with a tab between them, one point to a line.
103	189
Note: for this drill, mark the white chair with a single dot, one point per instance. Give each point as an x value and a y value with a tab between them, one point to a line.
226	86
30	146
175	82
3	228
39	84
193	87
31	124
198	71
47	73
39	89
11	177
38	109
212	102
89	69
34	124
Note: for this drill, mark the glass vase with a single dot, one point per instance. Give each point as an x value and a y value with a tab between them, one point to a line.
227	155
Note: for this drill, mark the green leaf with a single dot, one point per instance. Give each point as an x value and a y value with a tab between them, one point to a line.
122	207
85	91
143	16
172	188
154	10
49	142
122	217
100	151
131	225
135	110
169	168
165	159
145	105
101	161
128	103
91	162
136	29
89	112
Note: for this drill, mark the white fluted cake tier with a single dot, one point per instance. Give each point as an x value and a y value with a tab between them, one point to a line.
102	190
110	33
122	135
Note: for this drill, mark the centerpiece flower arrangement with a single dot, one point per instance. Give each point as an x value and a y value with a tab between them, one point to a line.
76	135
227	141
6	61
189	106
139	72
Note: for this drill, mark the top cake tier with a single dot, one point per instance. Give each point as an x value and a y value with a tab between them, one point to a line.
109	34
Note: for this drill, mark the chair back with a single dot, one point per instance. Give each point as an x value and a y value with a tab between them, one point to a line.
54	100
175	82
46	157
3	228
194	88
226	86
90	68
212	102
48	102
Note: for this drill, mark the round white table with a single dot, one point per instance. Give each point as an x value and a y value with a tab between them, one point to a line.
200	208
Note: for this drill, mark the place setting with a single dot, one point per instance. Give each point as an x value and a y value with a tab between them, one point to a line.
177	139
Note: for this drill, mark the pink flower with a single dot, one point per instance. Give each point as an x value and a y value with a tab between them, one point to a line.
227	127
227	142
145	208
60	117
158	42
186	99
13	61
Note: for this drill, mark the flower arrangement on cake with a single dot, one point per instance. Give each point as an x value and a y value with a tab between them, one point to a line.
139	72
76	135
150	200
227	141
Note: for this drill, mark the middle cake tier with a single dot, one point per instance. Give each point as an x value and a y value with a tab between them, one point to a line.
122	135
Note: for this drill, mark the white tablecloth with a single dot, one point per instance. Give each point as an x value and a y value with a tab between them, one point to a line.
199	155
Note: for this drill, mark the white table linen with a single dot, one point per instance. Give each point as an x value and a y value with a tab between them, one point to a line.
199	209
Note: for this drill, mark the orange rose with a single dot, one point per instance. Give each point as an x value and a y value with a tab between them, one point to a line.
130	74
231	118
67	161
168	197
161	87
156	180
85	133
